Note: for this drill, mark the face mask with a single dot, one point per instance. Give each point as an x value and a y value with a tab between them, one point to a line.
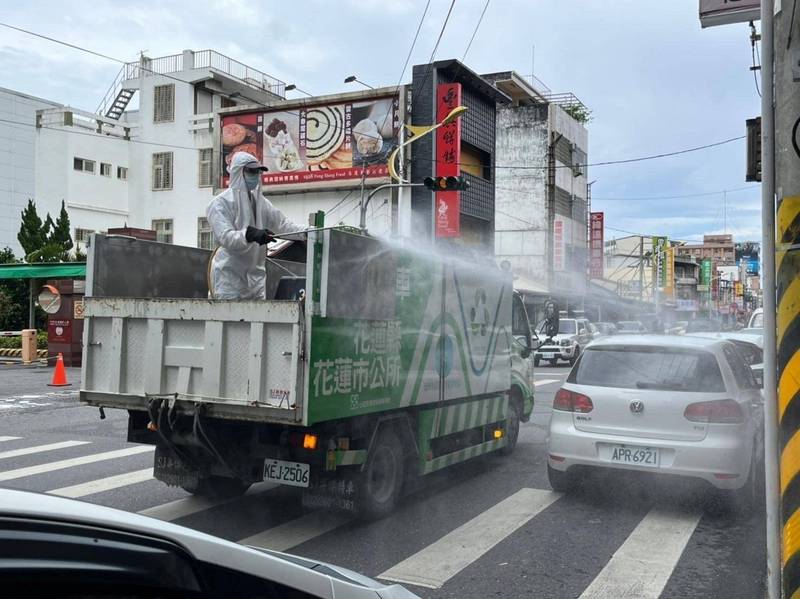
252	180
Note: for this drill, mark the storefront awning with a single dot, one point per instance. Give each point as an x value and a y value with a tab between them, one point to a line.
44	270
525	285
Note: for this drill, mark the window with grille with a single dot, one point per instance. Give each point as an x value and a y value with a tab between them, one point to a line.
81	164
122	173
227	102
105	169
164	103
205	237
163	229
82	235
162	171
204	168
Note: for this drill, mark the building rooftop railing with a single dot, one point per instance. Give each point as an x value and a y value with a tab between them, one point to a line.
566	100
202	59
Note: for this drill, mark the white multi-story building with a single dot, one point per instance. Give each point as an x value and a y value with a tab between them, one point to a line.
17	115
541	206
147	168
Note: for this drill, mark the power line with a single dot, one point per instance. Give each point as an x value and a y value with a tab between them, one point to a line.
408	56
436	45
480	19
679	197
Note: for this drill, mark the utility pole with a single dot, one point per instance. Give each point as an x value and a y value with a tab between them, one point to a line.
641	268
780	122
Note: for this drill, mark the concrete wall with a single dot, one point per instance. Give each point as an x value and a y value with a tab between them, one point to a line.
521	196
17	178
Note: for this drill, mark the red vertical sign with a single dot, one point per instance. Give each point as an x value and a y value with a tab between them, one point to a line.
596	246
448	160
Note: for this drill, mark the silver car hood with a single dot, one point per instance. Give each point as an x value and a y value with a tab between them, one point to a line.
204	547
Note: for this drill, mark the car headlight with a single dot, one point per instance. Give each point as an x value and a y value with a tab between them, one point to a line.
566	342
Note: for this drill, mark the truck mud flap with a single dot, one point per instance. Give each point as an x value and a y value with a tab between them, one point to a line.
171	470
332	494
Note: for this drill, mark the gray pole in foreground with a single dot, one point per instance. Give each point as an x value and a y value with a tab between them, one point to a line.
768	265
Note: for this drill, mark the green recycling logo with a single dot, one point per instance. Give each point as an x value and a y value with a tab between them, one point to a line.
479	314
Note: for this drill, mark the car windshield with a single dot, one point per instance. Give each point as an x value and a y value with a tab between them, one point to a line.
702	326
566	327
649	368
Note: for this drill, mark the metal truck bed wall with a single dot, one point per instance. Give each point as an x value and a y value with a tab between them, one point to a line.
398	327
243	359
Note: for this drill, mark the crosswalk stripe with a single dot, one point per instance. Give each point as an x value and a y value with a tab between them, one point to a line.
644	562
191	505
439	562
9	439
297	531
13	453
79	461
104	484
545	382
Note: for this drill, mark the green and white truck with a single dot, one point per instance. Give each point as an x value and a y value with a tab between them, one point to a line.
372	364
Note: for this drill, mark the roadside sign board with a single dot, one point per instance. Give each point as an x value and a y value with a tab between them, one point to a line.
447	211
596	246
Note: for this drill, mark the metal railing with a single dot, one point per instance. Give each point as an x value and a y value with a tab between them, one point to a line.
250	76
565	99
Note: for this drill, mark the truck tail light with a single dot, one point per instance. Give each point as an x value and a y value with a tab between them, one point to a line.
310	442
720	411
569	401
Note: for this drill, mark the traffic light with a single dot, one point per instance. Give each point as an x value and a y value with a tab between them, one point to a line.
446	183
753	172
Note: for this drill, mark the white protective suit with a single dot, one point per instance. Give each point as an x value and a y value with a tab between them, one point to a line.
238	270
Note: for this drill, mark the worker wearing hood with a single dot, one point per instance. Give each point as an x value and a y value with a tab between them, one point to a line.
243	222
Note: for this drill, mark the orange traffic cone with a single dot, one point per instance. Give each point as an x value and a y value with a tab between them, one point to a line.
59	374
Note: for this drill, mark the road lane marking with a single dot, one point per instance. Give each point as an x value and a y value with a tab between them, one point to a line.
297	531
193	504
433	566
13	453
545	382
644	562
104	484
9	439
80	461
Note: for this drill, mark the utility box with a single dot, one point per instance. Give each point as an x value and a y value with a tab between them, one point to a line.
65	326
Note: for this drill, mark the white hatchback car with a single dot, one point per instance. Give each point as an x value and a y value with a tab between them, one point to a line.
685	406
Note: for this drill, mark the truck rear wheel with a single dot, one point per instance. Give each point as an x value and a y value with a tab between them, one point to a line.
512	425
381	481
218	487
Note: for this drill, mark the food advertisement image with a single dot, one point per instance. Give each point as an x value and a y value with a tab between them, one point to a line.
240	133
330	142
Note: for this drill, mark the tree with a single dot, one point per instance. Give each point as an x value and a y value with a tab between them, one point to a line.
32	234
60	234
14	299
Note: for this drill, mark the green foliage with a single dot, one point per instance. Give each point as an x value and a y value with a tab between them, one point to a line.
32	234
14	296
60	234
579	112
16	342
49	241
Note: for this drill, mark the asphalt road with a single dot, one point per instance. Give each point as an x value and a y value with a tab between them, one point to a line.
487	528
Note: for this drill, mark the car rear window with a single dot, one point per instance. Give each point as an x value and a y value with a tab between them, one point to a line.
649	368
566	327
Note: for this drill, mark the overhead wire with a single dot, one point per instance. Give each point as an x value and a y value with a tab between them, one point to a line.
475	31
436	46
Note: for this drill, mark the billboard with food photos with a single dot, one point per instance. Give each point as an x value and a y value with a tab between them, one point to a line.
315	144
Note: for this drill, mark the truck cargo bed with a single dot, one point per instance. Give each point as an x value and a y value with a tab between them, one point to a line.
243	359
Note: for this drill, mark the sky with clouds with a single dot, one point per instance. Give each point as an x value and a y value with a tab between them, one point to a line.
655	81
